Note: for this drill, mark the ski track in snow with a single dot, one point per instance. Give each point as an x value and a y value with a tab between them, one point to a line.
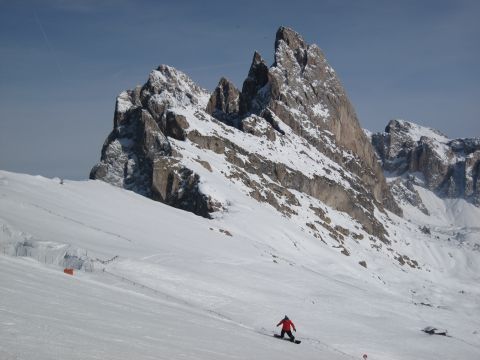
79	222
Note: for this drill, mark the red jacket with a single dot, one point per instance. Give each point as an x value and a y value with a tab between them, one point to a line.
286	324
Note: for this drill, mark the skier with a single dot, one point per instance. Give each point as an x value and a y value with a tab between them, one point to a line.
286	325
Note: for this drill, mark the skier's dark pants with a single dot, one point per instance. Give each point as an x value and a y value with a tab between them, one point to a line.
289	333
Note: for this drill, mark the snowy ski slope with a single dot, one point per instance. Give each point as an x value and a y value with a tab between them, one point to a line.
160	283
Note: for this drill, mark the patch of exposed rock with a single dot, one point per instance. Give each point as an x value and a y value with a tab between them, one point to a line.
404	191
178	186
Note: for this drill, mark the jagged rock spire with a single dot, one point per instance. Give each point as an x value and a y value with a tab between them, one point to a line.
224	102
291	39
257	78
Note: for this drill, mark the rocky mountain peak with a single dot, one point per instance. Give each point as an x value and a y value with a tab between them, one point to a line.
168	84
257	78
304	92
290	138
256	61
287	39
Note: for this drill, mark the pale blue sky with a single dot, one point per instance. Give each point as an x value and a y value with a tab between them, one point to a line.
62	63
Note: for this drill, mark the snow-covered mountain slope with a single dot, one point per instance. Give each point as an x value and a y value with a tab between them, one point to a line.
158	282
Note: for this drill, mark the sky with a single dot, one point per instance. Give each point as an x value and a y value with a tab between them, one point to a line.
63	62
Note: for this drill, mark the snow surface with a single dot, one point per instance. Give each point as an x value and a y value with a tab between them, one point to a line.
321	110
159	283
123	102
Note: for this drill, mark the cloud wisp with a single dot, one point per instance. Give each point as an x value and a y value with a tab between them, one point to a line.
48	43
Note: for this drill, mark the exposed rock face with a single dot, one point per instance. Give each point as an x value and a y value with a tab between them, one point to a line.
130	151
307	95
175	185
290	138
449	167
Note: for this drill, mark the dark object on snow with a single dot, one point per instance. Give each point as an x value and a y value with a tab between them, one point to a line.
280	337
424	304
425	230
434	331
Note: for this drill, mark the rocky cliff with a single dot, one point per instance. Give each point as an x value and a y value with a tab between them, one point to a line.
289	138
413	154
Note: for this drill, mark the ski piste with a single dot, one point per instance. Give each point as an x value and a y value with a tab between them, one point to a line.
96	225
287	339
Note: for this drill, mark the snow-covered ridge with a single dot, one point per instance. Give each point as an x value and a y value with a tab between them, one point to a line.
416	131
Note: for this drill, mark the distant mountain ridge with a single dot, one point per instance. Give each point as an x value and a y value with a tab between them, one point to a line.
414	154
